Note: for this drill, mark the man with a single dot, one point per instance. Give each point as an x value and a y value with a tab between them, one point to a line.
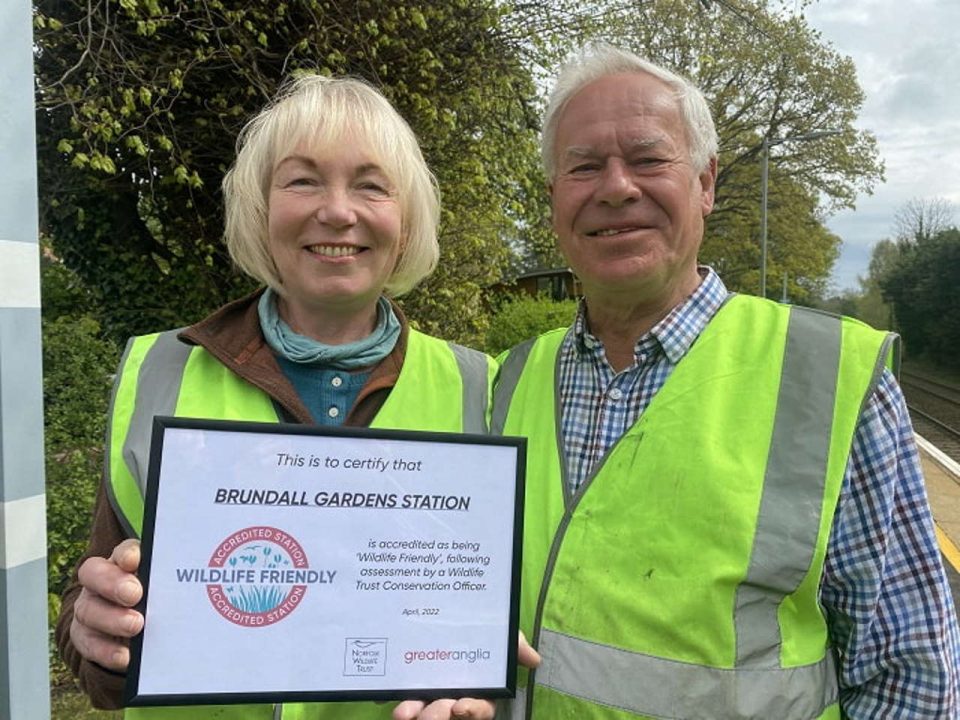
725	510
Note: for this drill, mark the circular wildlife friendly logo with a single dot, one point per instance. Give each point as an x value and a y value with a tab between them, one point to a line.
258	576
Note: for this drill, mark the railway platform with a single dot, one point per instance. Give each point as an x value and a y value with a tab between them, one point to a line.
942	475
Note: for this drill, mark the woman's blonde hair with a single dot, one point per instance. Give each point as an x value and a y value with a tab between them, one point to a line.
315	113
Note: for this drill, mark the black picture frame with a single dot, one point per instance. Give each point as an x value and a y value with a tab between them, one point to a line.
133	696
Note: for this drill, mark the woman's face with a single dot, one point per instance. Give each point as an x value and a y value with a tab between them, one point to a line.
333	231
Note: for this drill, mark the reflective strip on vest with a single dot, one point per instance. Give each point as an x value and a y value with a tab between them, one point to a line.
115	394
164	364
512	709
789	519
507	380
789	510
661	688
474	371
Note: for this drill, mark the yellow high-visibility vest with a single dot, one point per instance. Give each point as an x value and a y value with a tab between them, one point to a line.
681	579
442	387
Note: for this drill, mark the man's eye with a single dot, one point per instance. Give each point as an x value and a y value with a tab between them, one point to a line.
585	168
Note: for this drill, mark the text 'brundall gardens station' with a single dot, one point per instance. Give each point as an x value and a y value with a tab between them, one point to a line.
234	496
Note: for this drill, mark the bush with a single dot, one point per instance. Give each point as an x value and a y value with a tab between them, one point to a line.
926	298
77	367
524	317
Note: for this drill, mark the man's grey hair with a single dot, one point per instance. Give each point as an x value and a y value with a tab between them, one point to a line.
600	60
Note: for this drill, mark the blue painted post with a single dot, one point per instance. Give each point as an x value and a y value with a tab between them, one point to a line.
24	674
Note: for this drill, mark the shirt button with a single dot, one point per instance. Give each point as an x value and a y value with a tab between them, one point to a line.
336	381
333	411
615	394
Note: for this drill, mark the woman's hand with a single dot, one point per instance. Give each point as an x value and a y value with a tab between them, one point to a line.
103	615
464	708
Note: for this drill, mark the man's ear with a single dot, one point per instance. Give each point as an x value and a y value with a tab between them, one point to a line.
708	185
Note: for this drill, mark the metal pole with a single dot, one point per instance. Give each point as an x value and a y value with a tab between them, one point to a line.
765	162
783	297
764	178
24	674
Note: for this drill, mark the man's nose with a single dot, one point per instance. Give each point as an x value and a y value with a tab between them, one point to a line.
617	184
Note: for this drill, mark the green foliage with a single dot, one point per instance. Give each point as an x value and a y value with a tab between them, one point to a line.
77	362
847	303
63	293
872	308
68	703
868	303
523	317
926	297
139	106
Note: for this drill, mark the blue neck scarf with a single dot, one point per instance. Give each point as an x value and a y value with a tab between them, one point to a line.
350	356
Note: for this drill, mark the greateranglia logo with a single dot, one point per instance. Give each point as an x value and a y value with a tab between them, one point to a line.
440	655
257	576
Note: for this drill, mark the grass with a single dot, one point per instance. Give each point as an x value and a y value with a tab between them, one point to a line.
68	703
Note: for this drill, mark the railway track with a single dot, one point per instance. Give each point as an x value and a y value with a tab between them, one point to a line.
935	410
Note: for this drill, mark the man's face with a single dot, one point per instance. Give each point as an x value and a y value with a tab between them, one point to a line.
628	206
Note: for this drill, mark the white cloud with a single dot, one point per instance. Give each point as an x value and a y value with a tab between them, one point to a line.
908	64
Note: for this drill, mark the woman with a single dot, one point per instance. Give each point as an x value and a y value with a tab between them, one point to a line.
331	206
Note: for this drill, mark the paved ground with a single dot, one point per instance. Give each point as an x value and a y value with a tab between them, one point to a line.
943	487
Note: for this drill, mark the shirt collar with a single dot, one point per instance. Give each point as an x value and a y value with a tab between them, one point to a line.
676	332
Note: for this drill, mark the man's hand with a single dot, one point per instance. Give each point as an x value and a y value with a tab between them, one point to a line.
464	708
103	618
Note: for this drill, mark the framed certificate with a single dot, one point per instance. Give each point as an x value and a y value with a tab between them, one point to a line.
289	563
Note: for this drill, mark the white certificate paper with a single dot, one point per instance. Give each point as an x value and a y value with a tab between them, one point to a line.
286	563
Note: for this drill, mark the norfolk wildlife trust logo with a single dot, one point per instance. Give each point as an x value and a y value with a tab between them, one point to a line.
257	576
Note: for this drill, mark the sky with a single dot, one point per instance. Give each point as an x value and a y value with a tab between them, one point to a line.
907	54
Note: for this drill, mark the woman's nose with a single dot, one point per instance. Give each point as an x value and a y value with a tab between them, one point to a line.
336	209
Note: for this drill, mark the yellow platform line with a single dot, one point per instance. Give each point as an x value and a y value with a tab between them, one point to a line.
949	550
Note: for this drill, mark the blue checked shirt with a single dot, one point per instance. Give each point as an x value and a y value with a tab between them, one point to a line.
888	605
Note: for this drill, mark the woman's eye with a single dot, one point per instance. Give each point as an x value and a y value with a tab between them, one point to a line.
374	187
300	181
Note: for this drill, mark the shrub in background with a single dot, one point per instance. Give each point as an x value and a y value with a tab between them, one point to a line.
523	317
78	363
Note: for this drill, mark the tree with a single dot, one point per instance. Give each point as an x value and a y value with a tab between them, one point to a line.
926	297
920	219
872	308
140	102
